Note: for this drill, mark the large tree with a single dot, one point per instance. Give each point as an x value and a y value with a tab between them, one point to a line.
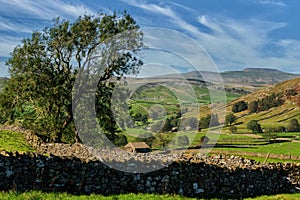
44	68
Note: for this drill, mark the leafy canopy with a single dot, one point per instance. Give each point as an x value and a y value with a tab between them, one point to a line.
43	70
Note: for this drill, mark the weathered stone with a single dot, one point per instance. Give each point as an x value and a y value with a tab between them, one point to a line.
77	169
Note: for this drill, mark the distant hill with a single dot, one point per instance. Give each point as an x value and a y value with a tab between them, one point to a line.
257	76
249	79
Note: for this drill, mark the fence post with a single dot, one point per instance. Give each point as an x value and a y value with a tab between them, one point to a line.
267	157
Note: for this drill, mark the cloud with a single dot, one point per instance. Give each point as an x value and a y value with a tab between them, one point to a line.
236	41
8	25
232	42
19	18
44	9
7	44
165	11
273	3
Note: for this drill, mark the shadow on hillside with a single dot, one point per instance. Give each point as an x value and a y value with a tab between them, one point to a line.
241	145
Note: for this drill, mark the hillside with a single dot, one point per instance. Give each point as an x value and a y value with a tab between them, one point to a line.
249	79
287	91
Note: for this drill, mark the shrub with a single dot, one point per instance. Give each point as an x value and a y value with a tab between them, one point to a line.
230	118
293	126
209	120
183	141
204	140
148	138
233	129
254	126
268	136
192	123
239	106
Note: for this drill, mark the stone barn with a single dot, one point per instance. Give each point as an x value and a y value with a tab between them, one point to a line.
137	147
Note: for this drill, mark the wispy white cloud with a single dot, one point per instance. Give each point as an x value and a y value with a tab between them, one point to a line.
7	44
234	42
7	25
273	3
19	17
45	9
165	11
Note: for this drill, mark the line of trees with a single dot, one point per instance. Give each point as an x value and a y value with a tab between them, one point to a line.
266	103
293	126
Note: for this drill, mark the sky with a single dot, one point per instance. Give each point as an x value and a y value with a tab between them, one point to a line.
235	34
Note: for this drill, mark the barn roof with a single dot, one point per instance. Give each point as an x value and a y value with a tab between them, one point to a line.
137	145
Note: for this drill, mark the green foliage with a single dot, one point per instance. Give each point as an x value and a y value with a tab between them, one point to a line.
121	140
233	129
279	129
293	126
44	67
164	126
266	103
157	126
209	120
254	126
253	107
13	141
183	141
148	138
167	127
189	123
239	106
230	119
204	140
162	139
268	136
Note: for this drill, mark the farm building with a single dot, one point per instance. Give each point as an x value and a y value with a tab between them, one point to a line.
137	147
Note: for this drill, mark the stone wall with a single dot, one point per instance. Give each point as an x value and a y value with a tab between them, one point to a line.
76	169
192	176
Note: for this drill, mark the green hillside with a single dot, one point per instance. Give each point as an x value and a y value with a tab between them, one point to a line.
289	92
173	99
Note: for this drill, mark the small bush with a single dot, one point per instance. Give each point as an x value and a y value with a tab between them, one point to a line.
183	141
233	129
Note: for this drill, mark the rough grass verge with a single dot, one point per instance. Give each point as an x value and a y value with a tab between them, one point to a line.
37	195
13	141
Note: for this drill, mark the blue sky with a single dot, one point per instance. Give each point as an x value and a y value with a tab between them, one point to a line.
235	33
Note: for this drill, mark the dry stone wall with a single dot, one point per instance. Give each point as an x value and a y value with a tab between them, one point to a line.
75	169
192	176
